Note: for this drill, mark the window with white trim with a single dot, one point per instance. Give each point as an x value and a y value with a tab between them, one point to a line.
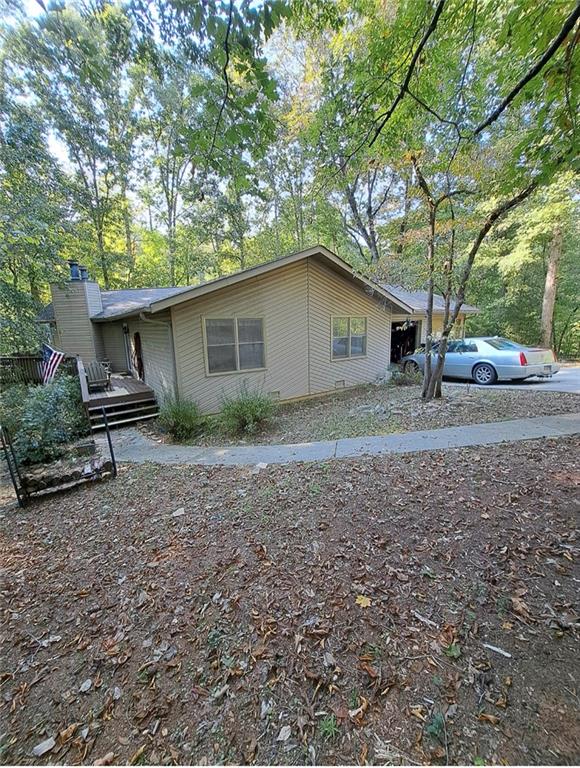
349	337
234	344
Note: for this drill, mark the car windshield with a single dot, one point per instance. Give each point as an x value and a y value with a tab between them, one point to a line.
498	343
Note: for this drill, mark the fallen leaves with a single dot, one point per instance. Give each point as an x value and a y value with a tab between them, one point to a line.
136	756
363	601
358	604
520	607
107	759
485	717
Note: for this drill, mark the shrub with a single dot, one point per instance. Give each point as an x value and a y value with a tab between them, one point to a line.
407	378
45	419
12	402
182	419
247	412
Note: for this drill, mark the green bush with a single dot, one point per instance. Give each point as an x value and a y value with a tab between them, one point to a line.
246	413
182	419
407	378
12	402
43	419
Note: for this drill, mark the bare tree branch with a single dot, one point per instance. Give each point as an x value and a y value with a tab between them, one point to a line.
538	66
405	85
226	81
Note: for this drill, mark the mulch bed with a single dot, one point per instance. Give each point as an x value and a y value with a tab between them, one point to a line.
380	410
326	613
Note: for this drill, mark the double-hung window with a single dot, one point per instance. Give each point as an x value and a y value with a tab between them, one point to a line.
349	337
234	344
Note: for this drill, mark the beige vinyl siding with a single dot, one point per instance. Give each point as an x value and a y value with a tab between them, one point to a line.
157	352
331	295
77	334
114	345
95	306
280	298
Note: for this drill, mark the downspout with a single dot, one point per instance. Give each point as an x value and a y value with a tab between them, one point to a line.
166	324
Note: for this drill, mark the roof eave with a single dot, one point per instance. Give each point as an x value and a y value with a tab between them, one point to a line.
261	269
122	315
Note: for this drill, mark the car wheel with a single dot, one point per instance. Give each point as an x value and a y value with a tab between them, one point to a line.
411	367
484	373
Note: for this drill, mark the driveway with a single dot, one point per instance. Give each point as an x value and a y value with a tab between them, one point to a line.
567	380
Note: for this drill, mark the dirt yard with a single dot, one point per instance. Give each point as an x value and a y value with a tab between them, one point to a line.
380	410
390	610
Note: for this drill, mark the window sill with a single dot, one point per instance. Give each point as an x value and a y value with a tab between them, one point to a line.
234	373
350	357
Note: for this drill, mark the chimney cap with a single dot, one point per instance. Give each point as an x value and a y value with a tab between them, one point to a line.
84	272
74	269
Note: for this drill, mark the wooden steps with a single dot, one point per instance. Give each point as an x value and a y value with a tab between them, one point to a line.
121	413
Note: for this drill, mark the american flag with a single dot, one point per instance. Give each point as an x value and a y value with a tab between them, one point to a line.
51	359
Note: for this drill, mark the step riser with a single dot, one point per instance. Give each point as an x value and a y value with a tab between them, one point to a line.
123	422
122	406
120	414
124	412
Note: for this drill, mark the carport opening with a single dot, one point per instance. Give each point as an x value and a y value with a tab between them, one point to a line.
404	339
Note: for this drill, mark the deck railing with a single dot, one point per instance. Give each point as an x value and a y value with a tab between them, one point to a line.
82	374
27	369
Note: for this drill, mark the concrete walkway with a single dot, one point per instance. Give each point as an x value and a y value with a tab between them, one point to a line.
132	446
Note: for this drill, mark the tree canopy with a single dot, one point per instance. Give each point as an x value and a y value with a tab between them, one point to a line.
430	143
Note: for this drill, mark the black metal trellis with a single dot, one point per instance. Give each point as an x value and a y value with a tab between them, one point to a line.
22	494
12	463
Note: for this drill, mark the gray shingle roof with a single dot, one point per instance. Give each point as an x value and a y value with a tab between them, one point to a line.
132	300
120	303
418	299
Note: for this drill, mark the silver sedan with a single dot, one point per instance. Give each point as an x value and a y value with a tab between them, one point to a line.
488	358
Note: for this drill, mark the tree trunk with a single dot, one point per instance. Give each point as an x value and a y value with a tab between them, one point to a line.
434	389
171	255
403	224
128	234
551	287
430	289
103	257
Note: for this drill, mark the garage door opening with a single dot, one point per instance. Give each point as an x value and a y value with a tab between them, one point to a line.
405	338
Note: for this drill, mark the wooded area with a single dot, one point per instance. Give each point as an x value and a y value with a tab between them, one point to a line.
432	144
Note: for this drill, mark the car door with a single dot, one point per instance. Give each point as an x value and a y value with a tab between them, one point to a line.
452	360
467	355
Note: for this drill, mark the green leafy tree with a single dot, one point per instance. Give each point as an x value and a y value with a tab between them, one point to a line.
35	213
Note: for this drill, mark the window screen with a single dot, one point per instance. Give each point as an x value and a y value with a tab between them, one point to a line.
234	344
349	337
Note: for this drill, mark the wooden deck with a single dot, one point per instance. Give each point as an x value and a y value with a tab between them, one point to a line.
124	389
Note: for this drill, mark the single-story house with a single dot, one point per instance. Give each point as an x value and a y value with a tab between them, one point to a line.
300	325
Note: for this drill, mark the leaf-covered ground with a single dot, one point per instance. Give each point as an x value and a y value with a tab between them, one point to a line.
379	410
326	613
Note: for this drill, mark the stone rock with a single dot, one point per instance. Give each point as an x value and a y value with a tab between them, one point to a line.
85	687
178	512
44	747
142	599
378	410
285	732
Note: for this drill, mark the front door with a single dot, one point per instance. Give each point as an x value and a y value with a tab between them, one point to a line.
138	357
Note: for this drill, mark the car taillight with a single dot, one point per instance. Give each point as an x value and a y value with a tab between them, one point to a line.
523	360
